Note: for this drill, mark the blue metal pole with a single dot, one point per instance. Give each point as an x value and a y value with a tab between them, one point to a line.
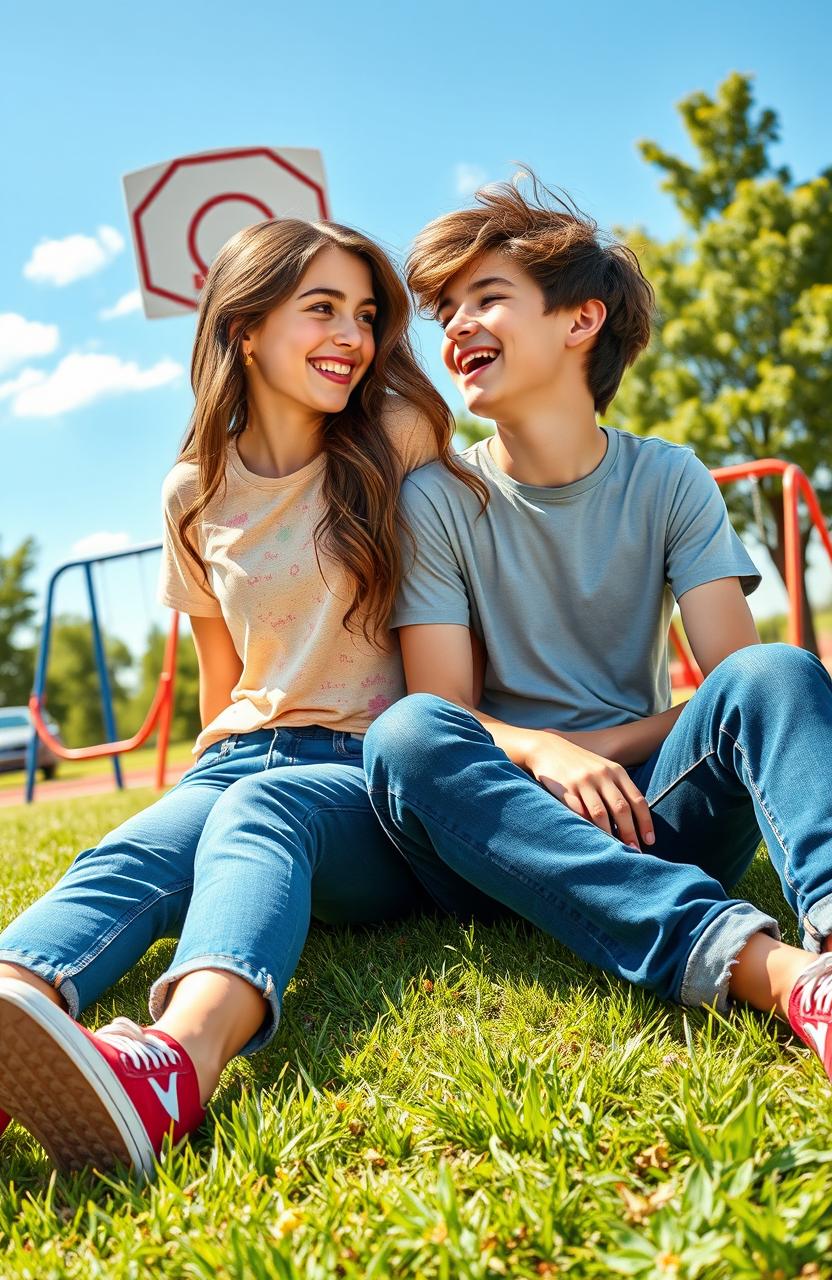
40	683
103	675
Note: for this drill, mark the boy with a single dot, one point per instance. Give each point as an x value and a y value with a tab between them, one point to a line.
570	791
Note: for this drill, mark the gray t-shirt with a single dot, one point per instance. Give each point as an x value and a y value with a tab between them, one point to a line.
571	589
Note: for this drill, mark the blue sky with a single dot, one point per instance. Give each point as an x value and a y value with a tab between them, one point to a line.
408	103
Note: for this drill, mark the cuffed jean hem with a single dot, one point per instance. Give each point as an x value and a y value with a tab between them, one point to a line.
714	954
65	987
260	979
816	925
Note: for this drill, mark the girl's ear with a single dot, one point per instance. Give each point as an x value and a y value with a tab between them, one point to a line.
233	329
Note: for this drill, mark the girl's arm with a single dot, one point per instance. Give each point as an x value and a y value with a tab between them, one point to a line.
219	665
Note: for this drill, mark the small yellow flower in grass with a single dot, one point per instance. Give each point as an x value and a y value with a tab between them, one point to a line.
340	1104
427	985
375	1158
669	1262
437	1234
289	1221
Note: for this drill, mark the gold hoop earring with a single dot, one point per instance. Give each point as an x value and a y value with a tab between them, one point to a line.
248	359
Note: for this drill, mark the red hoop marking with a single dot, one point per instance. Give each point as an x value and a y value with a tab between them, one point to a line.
166	176
193	250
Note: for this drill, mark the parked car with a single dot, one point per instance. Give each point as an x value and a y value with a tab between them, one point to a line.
15	733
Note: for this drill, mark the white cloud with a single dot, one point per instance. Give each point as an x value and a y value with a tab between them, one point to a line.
59	262
467	177
100	543
79	380
22	339
128	302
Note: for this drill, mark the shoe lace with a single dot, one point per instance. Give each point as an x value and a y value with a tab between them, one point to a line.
140	1046
816	996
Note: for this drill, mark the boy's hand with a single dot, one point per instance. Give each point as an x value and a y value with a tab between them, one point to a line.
592	787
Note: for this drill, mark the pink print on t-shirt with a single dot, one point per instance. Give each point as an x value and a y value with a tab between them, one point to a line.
378	704
239	521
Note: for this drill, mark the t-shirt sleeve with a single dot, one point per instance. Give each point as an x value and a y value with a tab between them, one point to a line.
432	588
410	433
701	544
182	584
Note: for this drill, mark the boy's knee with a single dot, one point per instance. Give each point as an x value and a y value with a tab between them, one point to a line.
413	724
775	666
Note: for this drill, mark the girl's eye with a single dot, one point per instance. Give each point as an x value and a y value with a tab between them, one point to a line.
369	317
322	306
492	297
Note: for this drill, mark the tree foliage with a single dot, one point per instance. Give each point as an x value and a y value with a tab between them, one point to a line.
73	695
17	614
740	364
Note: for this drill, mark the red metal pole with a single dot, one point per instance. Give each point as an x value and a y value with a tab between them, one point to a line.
692	675
794	560
168	678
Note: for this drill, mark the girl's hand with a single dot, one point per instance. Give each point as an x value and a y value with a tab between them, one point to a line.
592	787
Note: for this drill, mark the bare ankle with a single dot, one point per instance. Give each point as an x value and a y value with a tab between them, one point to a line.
20	974
765	973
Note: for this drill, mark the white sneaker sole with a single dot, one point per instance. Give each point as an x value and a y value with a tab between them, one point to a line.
58	1086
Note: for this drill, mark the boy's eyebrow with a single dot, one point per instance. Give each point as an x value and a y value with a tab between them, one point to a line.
337	294
476	284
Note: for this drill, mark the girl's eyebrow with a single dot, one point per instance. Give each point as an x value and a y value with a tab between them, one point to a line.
483	283
337	294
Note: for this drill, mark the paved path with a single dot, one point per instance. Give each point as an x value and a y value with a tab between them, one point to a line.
68	788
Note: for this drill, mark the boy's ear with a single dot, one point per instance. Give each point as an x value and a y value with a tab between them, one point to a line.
586	322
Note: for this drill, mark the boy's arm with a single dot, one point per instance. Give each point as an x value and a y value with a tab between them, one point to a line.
444	659
717	621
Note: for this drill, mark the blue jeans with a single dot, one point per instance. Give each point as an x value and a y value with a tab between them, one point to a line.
751	753
266	830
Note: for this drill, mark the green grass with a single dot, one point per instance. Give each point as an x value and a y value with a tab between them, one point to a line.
447	1102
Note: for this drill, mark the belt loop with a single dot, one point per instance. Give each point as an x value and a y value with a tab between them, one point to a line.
271	749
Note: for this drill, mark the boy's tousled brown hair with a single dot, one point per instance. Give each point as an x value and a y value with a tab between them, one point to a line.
562	250
256	270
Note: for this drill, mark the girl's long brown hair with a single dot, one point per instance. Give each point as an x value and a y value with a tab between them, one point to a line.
253	273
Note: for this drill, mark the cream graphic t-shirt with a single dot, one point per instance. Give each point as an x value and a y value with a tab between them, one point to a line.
300	664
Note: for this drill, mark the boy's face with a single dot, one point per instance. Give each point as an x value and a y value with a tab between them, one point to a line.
499	347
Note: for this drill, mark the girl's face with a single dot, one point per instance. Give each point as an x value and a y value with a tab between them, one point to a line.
314	348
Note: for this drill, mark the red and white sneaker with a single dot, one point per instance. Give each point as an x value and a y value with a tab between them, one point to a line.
92	1099
810	1009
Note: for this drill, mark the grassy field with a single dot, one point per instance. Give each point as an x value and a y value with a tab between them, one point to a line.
450	1102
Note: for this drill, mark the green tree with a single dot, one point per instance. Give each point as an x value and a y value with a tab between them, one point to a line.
186	723
740	365
72	689
17	613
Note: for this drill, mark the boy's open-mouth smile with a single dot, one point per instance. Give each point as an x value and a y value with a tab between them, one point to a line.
335	369
472	361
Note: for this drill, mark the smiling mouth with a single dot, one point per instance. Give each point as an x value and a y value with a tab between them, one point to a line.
339	371
471	363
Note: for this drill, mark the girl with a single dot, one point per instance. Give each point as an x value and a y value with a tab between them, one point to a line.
280	542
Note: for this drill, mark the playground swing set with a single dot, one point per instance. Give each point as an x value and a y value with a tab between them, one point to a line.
796	485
